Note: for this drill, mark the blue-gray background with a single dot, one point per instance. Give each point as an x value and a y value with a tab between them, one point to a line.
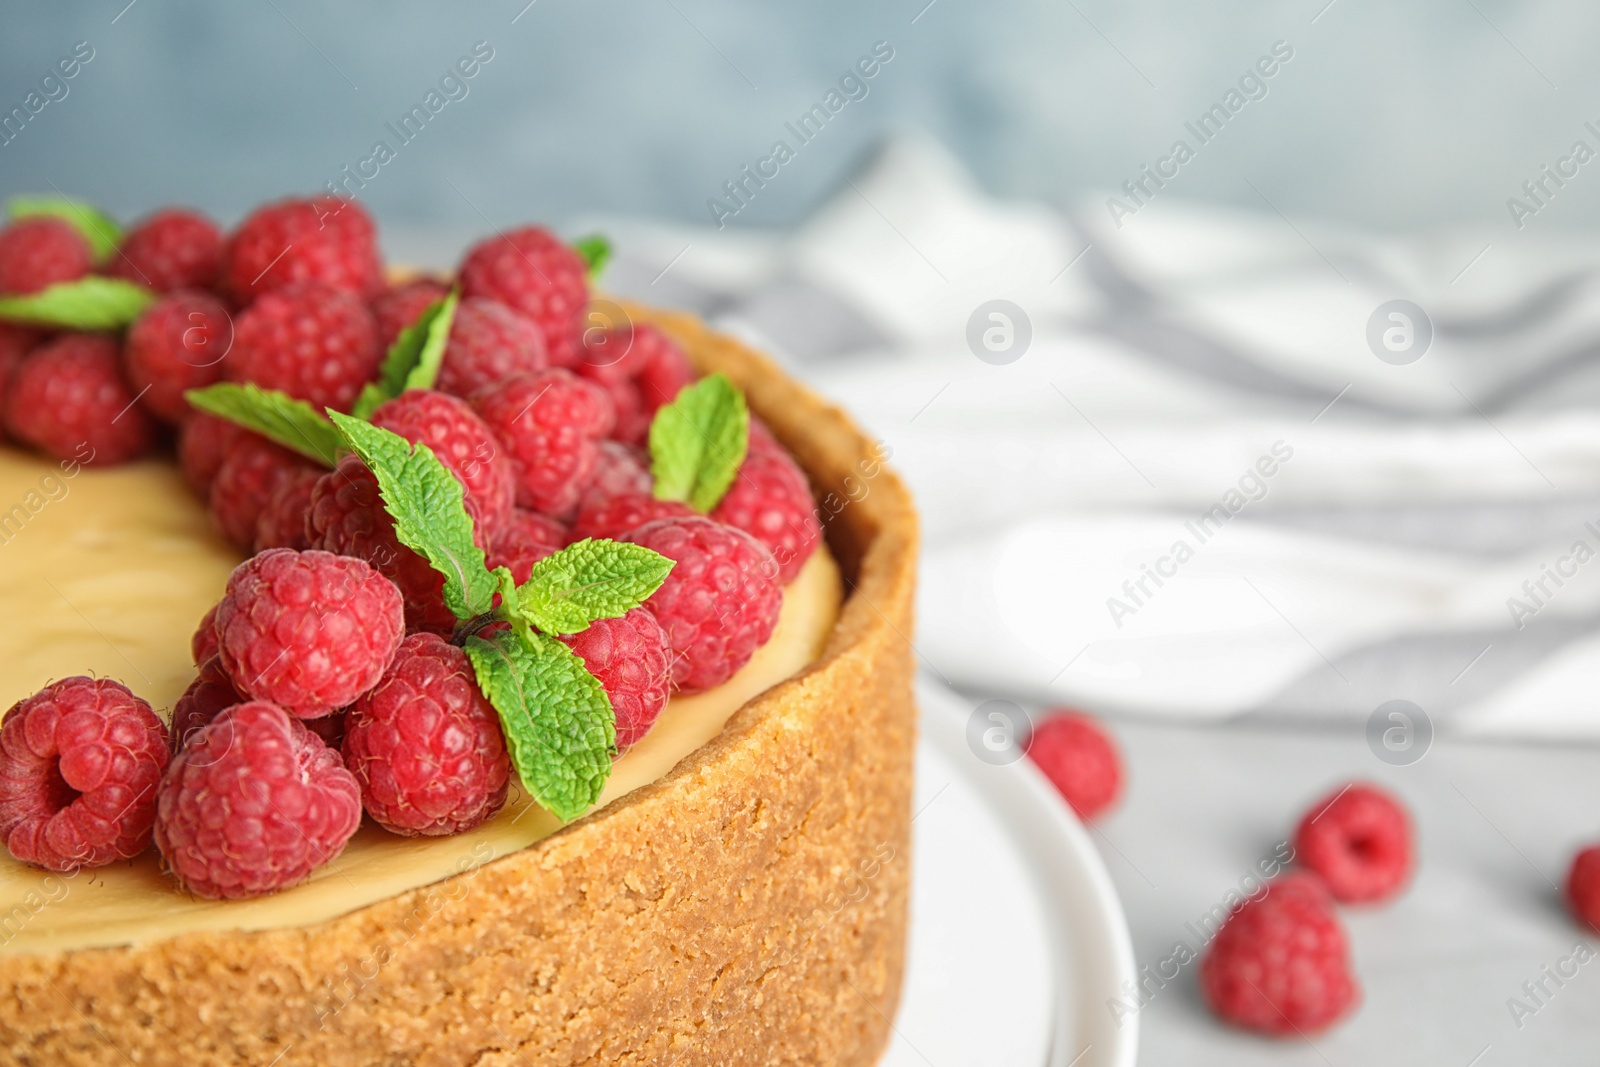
1399	116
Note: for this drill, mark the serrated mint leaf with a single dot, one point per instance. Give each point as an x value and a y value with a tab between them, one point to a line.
98	228
559	726
294	424
90	303
593	579
511	603
698	441
596	252
414	359
429	511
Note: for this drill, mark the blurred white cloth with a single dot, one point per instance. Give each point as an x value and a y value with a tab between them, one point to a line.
1174	362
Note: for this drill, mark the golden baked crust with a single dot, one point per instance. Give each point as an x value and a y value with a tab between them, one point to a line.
748	908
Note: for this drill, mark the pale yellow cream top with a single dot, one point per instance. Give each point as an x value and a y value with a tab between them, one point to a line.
107	572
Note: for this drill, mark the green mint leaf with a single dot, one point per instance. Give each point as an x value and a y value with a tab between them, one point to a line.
98	228
559	726
698	441
90	303
511	604
294	424
593	579
596	252
414	359
429	511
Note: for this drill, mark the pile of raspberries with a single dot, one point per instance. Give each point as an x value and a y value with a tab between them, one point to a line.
327	681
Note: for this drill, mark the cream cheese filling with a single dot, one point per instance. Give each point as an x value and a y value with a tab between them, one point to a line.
107	572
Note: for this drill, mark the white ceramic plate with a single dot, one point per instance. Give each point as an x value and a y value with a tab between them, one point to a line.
1017	937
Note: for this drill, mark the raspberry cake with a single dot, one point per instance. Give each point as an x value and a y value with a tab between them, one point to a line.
468	687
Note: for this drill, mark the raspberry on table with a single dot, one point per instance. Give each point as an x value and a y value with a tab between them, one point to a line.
203	443
425	744
68	399
719	604
1078	756
80	762
532	272
1280	963
178	344
347	516
309	340
1583	887
524	539
40	251
203	644
633	661
282	523
310	631
1358	840
15	343
172	249
324	239
401	305
770	499
488	343
462	442
549	422
243	486
252	804
210	692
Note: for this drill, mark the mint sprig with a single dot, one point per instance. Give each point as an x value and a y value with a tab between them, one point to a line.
559	726
595	250
699	441
413	361
593	579
294	424
90	303
97	228
429	510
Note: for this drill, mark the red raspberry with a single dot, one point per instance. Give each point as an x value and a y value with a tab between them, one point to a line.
549	422
203	443
462	443
80	761
310	341
210	692
70	394
347	516
253	803
523	540
615	517
203	645
719	604
531	271
1075	753
633	660
1359	841
177	345
15	342
641	368
426	744
403	304
619	470
1583	887
250	473
172	249
1280	963
770	500
282	523
324	239
488	343
40	251
310	631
